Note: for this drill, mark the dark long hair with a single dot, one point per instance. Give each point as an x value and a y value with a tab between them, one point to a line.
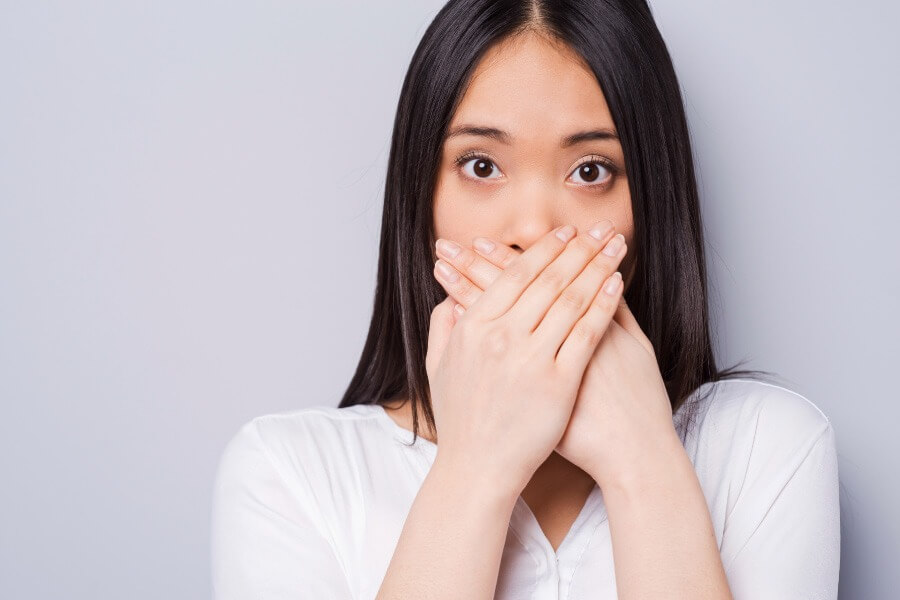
620	42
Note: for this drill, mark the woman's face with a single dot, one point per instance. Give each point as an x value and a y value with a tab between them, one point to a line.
516	175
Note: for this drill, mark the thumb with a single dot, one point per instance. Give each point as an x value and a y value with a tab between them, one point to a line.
627	320
443	318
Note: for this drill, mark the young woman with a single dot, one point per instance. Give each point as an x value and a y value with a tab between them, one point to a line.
589	445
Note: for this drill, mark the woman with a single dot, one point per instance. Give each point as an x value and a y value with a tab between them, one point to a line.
589	445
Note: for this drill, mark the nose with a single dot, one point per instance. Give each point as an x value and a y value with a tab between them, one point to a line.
531	216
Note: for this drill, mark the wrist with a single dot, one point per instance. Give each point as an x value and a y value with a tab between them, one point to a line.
662	457
469	477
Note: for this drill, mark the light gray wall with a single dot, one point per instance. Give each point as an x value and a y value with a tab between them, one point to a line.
190	199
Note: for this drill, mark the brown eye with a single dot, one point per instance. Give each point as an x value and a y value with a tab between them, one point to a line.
592	172
481	167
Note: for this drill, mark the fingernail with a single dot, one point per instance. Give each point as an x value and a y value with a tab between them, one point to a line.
459	309
447	247
614	245
566	233
612	286
599	230
447	271
483	245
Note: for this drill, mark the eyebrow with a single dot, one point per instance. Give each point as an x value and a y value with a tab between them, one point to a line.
505	138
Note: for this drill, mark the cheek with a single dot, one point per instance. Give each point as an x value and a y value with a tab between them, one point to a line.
459	217
623	217
451	225
446	217
628	231
441	209
616	208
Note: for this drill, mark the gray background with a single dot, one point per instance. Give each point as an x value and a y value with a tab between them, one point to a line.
189	215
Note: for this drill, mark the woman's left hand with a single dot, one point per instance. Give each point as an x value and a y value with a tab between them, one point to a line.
622	420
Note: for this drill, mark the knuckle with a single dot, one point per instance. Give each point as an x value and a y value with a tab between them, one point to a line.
464	287
550	278
572	299
604	301
583	332
534	355
515	273
509	257
466	259
497	341
599	267
585	245
602	309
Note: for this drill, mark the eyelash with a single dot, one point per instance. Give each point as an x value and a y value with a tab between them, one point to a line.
606	163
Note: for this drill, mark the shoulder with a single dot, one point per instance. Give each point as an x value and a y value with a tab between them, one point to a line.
766	458
315	425
766	412
746	426
313	430
303	446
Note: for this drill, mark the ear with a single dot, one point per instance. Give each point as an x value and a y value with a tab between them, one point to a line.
625	318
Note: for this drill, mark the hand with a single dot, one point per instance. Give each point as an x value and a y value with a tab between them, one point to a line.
622	415
504	378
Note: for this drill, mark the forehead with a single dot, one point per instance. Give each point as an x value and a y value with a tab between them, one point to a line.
531	83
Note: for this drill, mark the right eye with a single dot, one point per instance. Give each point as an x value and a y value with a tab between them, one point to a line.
477	166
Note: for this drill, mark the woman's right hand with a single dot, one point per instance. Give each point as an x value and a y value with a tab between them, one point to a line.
504	382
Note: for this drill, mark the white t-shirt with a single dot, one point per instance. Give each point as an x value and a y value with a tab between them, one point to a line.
310	504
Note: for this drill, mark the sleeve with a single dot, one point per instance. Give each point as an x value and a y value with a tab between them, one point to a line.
265	545
788	534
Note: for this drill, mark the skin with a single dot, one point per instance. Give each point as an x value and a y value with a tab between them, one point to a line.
530	186
620	432
503	380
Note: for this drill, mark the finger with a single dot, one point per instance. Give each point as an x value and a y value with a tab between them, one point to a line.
537	299
497	299
627	320
575	300
458	286
498	254
477	269
440	326
581	342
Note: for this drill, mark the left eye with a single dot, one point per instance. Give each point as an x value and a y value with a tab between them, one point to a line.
593	172
482	168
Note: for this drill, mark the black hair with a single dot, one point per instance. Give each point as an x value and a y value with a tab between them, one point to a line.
619	41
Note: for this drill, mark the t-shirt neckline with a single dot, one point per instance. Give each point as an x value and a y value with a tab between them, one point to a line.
401	433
